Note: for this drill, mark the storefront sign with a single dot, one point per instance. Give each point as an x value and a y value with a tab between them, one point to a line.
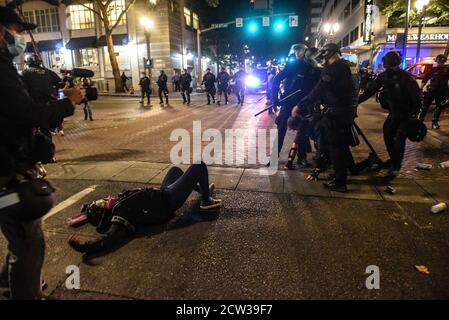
426	37
368	21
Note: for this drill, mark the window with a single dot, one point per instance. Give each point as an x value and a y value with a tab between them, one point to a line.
47	20
347	11
87	57
361	29
355	3
81	17
187	17
114	10
345	40
355	34
196	22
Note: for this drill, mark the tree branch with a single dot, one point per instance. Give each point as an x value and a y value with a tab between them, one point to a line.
90	9
130	3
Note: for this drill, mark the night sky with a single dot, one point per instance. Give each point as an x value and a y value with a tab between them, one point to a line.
265	43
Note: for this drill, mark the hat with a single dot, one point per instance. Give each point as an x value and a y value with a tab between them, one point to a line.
8	17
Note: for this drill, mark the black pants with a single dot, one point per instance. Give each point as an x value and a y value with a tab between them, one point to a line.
87	110
210	93
185	95
429	97
240	93
281	122
337	129
321	146
165	92
302	139
178	185
223	90
24	259
395	136
177	86
146	93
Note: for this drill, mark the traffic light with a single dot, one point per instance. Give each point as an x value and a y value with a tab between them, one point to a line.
252	27
279	26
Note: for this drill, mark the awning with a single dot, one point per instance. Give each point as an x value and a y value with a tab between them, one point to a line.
50	45
81	43
117	39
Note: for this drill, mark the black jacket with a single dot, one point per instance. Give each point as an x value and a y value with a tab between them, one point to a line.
439	77
20	115
162	82
185	80
402	93
335	89
223	79
209	80
145	83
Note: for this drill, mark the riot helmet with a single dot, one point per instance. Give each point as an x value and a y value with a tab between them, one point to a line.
32	60
328	51
392	59
441	58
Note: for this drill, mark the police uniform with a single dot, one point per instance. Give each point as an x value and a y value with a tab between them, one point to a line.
223	79
437	90
209	82
145	88
162	84
335	90
185	80
402	98
239	87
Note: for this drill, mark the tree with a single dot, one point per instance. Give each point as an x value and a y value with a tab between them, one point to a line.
437	12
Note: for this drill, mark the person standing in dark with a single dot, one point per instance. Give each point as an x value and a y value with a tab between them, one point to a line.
186	89
145	88
271	74
293	76
209	82
403	100
437	89
239	79
87	104
42	85
163	89
336	91
124	79
21	149
223	79
175	80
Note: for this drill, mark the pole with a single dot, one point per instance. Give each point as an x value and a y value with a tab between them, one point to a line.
200	60
404	44
418	45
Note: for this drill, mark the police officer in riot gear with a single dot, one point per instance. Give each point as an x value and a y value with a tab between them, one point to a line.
403	101
294	76
239	79
163	89
186	89
335	90
21	147
437	89
309	76
209	82
223	79
42	85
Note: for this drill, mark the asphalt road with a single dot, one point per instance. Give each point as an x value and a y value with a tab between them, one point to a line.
261	245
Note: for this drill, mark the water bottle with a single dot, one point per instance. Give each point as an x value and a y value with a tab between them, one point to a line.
424	166
439	207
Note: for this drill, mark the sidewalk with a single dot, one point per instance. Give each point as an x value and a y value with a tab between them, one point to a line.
241	179
438	138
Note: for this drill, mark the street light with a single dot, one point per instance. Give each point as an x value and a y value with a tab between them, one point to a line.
147	24
331	29
420	7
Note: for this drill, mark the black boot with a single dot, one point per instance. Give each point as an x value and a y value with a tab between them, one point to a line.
291	158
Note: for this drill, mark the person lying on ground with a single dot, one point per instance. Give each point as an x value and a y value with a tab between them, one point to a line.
117	218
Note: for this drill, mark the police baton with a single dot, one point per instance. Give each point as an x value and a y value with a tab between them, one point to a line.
282	100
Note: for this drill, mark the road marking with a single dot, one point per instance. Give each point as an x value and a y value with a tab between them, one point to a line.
69	201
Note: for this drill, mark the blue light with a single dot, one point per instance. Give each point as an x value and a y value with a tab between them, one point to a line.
279	26
252	81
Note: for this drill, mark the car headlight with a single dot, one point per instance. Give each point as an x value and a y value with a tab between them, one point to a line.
252	81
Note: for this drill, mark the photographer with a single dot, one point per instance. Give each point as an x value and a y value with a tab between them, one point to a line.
21	148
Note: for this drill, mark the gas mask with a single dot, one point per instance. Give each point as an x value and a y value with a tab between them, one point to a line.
15	44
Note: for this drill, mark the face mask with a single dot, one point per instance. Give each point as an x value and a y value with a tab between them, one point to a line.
17	45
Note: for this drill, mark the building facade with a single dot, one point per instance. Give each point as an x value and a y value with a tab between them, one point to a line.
73	36
361	29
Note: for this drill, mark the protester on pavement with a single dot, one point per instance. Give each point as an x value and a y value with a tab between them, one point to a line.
117	218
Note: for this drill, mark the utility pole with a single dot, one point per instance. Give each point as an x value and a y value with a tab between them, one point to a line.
404	44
